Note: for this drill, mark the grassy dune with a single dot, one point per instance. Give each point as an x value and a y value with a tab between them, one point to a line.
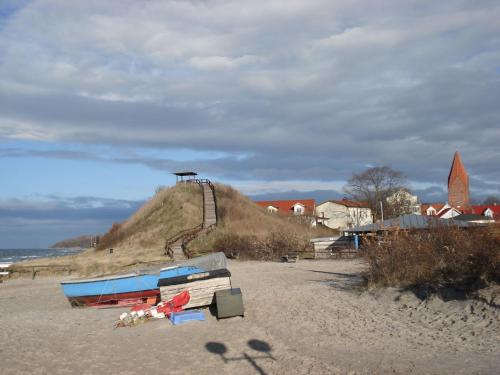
250	230
140	240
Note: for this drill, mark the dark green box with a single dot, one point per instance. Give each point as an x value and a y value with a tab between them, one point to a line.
229	303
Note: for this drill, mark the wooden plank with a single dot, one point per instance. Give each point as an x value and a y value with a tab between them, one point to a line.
202	292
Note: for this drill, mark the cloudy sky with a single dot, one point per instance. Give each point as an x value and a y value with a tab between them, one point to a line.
101	100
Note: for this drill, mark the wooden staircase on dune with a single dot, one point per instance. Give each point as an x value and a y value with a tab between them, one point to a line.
175	247
209	207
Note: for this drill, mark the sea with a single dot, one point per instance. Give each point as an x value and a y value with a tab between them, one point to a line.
17	255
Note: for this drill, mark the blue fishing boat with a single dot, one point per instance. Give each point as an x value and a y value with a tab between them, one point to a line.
134	287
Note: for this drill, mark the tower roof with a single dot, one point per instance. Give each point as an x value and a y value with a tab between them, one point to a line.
457	170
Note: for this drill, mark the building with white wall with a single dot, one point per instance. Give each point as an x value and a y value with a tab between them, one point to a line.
343	214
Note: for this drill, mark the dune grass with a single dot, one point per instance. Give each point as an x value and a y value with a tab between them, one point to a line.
252	232
139	241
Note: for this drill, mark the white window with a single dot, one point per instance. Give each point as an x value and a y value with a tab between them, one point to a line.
488	212
298	209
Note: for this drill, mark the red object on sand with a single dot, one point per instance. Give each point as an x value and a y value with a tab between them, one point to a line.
181	299
167	307
175	304
140	306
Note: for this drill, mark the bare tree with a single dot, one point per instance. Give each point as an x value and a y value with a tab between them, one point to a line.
375	185
400	203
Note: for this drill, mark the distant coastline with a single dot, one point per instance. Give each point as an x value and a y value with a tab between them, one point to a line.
82	242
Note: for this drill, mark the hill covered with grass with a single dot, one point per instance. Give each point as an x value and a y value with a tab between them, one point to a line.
243	227
251	232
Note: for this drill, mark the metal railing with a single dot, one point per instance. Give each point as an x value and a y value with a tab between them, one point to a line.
182	235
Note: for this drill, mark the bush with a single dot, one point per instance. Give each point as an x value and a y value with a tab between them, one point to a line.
272	247
281	243
230	244
439	255
114	234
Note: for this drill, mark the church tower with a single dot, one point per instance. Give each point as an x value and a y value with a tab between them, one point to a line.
458	184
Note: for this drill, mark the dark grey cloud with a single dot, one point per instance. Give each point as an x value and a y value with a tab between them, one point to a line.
306	90
292	168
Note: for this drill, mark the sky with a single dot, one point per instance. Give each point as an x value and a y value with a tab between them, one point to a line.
100	101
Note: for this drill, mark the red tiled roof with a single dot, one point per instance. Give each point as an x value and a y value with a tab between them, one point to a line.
286	206
480	208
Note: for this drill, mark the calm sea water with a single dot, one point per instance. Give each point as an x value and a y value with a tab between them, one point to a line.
16	255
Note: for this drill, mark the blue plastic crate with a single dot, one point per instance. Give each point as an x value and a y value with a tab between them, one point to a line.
185	316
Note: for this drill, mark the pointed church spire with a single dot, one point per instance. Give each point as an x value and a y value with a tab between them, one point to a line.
458	184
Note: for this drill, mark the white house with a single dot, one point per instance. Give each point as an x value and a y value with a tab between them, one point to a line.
449	213
343	214
299	207
488	212
272	208
434	209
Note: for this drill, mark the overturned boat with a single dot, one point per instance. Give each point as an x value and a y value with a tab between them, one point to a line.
200	285
137	286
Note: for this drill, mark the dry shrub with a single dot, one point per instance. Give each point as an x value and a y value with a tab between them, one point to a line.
114	234
271	247
440	255
231	243
281	243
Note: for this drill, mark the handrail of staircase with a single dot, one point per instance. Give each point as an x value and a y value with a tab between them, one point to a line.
181	234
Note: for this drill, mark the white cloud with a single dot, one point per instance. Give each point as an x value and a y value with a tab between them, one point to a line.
222	62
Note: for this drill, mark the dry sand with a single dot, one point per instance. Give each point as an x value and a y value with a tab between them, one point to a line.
308	317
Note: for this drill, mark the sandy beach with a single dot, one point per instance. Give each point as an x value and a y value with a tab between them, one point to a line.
302	318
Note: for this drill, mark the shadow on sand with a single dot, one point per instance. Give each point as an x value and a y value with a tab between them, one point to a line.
349	282
256	345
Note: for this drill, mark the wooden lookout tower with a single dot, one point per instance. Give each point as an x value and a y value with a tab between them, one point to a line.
186	176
